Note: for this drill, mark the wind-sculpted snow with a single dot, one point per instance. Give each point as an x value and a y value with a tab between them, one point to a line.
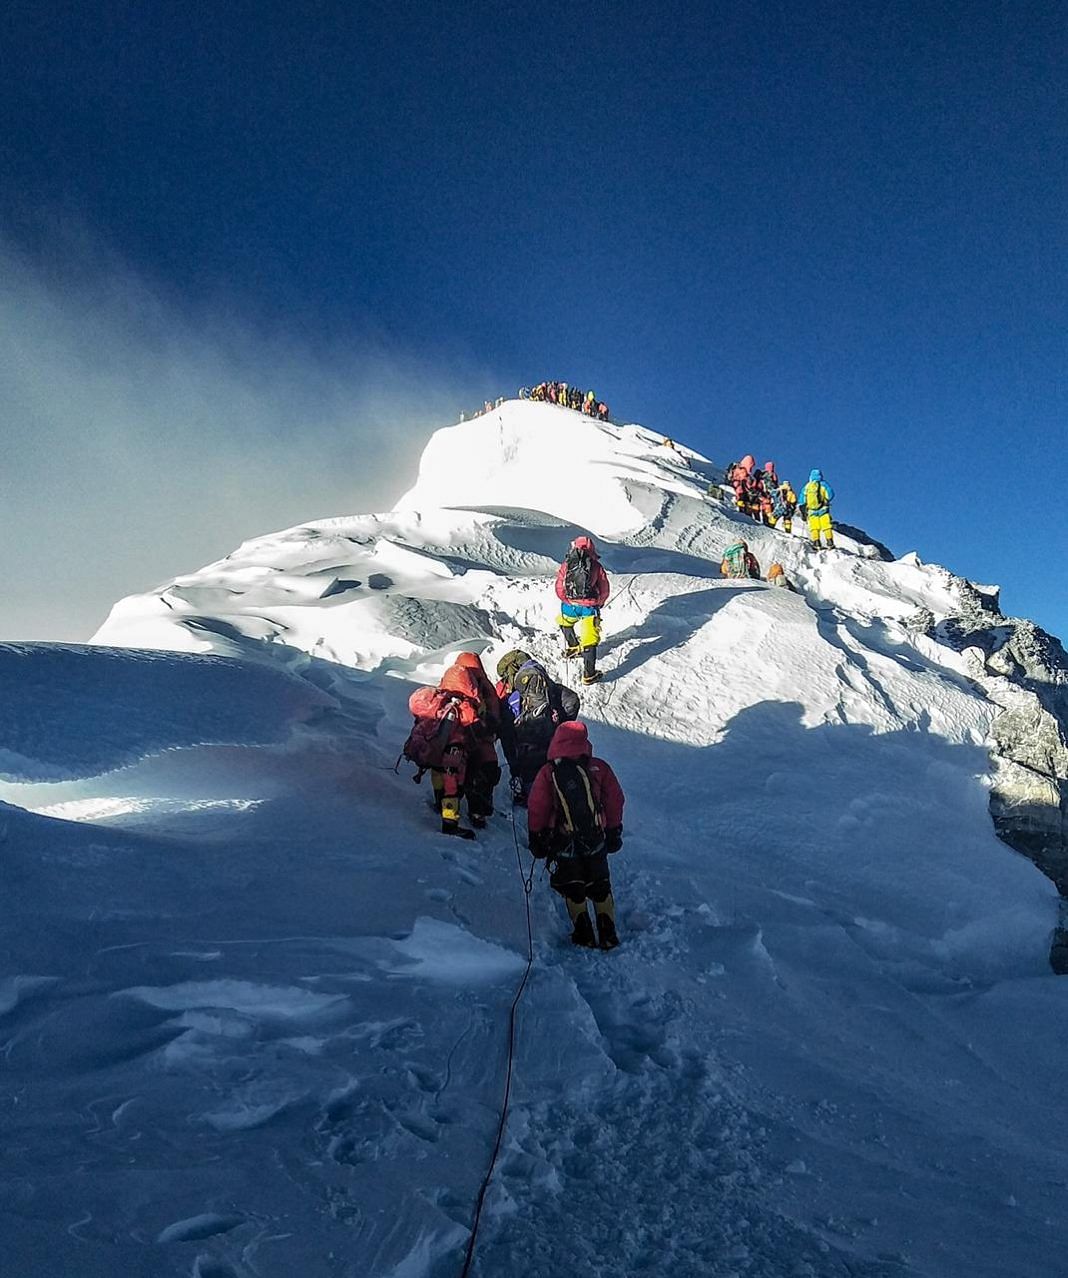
71	711
255	1012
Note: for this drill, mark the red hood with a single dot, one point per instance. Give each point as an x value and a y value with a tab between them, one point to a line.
460	679
585	543
570	741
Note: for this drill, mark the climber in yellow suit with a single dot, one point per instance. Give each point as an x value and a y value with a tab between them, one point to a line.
817	498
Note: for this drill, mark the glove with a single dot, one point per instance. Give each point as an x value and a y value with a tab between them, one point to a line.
515	784
540	842
613	839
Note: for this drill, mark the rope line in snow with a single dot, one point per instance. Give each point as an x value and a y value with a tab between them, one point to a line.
528	885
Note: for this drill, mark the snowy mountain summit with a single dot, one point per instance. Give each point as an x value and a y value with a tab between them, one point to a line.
265	1004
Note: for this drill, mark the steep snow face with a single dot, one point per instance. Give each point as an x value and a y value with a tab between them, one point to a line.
259	997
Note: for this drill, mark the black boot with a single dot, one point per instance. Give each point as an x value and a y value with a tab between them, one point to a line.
583	932
590	673
455	828
606	929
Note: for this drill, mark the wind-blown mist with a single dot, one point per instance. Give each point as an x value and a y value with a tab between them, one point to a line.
142	440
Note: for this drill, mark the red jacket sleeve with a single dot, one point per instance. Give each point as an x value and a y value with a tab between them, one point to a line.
611	794
602	588
541	802
560	572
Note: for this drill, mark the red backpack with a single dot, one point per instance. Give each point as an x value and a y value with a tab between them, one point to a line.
436	715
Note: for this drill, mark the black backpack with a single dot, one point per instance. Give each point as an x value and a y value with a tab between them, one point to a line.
578	574
578	808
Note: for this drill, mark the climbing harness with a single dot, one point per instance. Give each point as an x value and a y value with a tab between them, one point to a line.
528	885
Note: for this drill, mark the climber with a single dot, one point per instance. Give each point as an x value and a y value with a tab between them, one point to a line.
817	498
483	770
582	588
767	485
777	577
783	505
445	733
532	708
740	478
739	561
575	820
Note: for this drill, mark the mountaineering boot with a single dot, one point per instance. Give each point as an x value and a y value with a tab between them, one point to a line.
606	930
582	925
479	822
606	922
582	933
571	653
571	643
590	674
450	818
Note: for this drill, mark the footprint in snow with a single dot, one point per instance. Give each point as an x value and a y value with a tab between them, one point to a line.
194	1228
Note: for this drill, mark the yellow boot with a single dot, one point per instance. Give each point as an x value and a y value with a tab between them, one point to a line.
450	818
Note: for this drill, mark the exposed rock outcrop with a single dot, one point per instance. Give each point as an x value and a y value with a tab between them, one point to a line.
1024	671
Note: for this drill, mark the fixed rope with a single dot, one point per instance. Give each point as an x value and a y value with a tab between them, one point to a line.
528	885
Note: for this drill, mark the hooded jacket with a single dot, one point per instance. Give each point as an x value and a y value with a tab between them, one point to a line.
599	587
572	741
817	496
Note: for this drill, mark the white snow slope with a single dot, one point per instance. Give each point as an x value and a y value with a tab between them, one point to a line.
254	1008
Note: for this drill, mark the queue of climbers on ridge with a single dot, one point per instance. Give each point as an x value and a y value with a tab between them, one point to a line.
573	800
560	393
582	401
763	496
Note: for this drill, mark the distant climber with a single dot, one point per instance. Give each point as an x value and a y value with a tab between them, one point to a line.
783	505
582	588
767	485
778	577
575	820
816	499
742	478
739	561
448	739
532	707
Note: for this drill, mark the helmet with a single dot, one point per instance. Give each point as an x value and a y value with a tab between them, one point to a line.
584	543
510	663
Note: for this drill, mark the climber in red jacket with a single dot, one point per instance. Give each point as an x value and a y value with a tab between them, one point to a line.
575	820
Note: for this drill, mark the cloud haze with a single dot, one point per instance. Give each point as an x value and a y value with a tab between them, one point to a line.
142	440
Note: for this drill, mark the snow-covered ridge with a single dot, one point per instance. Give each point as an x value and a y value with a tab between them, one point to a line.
464	554
243	960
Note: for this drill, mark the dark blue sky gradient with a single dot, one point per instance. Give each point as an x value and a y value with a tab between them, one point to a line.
831	234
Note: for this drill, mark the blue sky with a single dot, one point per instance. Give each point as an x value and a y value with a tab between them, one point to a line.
829	234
